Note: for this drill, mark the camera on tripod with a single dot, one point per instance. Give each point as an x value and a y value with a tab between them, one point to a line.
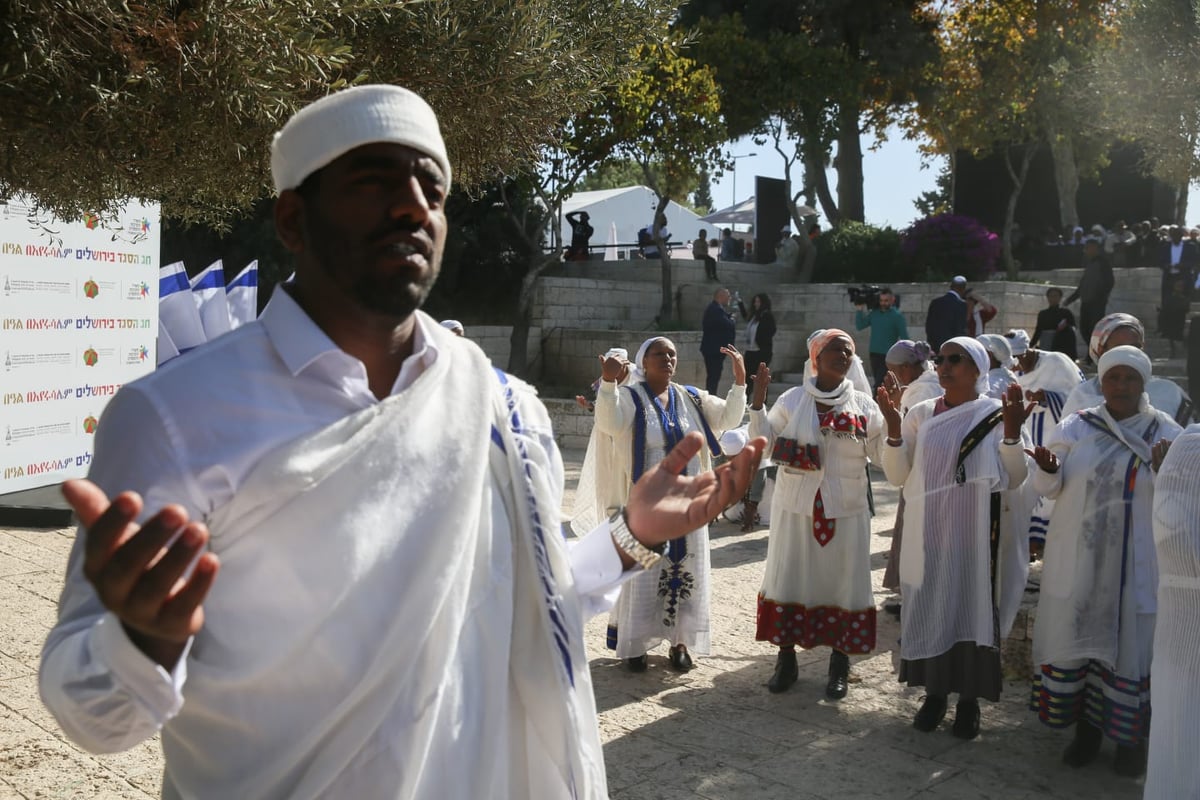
867	296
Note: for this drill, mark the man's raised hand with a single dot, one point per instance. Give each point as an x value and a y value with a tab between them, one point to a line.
138	571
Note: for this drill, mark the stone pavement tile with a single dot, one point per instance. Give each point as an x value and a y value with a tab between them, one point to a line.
44	583
11	565
8	791
719	743
38	765
697	776
1028	758
840	766
634	757
26	621
46	552
12	668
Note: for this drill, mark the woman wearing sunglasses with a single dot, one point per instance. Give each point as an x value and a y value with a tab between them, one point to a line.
959	574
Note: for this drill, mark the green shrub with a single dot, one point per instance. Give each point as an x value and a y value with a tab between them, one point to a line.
854	252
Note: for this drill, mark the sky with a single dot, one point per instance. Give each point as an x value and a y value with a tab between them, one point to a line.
892	178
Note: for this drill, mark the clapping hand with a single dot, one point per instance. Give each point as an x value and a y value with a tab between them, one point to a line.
1158	453
1015	410
737	362
894	390
1046	460
762	379
889	407
613	368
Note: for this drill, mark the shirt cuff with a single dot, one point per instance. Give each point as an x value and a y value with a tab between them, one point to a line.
595	562
159	691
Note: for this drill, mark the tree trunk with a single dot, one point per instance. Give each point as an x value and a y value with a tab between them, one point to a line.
817	182
1066	178
850	165
518	341
1010	211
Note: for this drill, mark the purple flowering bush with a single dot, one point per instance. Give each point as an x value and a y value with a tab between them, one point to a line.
944	245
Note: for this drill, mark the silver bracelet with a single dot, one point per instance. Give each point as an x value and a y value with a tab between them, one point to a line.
1010	441
630	546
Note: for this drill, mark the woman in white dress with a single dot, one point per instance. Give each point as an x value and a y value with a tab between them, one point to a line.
955	456
645	420
911	381
1094	637
1174	770
817	584
1000	376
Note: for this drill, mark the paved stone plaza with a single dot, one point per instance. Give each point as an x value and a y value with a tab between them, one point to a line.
713	734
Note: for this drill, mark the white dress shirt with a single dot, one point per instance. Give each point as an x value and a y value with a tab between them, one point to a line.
174	440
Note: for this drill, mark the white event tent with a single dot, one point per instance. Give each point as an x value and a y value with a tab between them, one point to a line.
627	211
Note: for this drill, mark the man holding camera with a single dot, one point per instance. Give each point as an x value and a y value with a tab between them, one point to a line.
887	327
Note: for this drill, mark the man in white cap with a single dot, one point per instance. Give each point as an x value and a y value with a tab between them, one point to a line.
454	326
346	578
947	315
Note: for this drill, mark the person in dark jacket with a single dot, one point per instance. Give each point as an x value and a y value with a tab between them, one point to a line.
759	338
947	315
718	330
1055	329
1094	288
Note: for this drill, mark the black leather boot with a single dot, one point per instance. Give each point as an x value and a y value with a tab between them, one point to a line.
839	672
786	671
966	719
1084	748
1131	761
636	664
931	713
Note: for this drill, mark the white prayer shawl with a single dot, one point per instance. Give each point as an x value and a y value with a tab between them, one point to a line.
1056	375
1174	769
999	379
926	387
945	563
794	416
638	616
1100	569
597	497
1164	394
409	630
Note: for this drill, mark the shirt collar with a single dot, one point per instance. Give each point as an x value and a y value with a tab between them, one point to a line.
300	342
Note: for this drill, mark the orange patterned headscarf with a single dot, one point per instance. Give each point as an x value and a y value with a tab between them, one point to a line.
820	340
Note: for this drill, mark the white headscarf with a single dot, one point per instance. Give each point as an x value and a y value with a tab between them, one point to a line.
979	355
998	346
1018	340
637	374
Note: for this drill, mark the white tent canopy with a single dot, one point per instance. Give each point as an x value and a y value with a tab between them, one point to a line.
743	213
630	209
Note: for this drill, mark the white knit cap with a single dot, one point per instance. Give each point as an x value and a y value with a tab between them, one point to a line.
336	124
453	325
1018	340
1125	356
998	346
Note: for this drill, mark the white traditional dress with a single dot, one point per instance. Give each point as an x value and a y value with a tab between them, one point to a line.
1056	375
1095	621
817	584
999	379
1174	769
926	387
672	602
958	575
1165	394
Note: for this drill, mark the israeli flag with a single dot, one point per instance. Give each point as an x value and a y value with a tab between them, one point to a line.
208	290
242	295
166	346
176	308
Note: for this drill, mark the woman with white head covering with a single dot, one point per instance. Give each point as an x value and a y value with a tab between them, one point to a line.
1095	621
817	584
1000	376
1047	378
1174	770
1125	329
954	457
646	418
910	381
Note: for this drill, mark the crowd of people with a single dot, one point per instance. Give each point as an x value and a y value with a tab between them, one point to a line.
326	585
